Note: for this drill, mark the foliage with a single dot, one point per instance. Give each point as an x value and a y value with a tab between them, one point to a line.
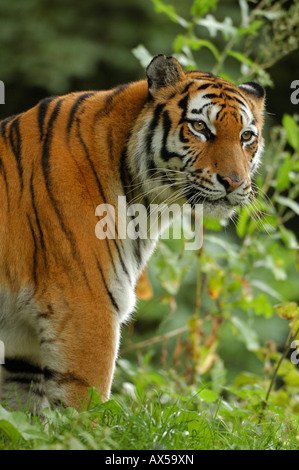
220	380
265	34
152	415
241	272
240	277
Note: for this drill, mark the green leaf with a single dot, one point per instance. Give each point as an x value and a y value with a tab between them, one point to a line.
142	54
212	224
243	222
265	288
208	395
269	14
288	237
244	9
292	379
194	44
252	29
213	26
169	10
287	310
291	127
283	178
241	57
172	268
229	247
201	7
248	335
261	306
16	425
285	201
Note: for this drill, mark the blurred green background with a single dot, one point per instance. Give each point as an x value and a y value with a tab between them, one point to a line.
54	47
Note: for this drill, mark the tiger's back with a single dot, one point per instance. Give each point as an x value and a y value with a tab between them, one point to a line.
64	292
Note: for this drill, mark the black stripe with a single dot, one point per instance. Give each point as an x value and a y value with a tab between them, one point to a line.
104	199
3	171
199	111
74	109
41	114
125	179
165	154
46	173
138	251
222	107
126	176
21	366
123	171
3	125
154	123
122	261
109	101
41	235
182	137
100	188
15	142
208	182
62	377
91	164
186	163
34	251
233	90
46	152
210	96
234	98
183	104
27	380
204	86
200	74
223	115
186	88
112	299
116	91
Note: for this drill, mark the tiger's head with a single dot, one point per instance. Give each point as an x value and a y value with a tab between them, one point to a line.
198	138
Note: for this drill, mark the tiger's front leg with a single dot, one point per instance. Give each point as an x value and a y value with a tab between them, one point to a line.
81	353
56	351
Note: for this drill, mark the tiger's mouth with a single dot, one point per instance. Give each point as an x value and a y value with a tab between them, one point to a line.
221	207
194	196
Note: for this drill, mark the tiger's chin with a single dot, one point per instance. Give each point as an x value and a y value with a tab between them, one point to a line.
219	210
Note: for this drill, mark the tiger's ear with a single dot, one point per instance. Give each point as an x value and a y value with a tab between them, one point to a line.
163	71
254	89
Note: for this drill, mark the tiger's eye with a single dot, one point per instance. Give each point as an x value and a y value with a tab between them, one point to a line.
199	126
246	136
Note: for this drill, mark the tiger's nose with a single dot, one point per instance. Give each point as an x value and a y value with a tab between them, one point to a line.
230	184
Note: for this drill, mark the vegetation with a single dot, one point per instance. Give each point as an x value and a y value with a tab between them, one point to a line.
209	360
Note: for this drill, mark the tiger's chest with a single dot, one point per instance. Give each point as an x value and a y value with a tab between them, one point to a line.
133	255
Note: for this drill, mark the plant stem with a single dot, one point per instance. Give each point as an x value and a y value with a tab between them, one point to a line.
155	339
289	340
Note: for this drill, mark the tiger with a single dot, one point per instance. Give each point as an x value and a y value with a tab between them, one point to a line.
186	136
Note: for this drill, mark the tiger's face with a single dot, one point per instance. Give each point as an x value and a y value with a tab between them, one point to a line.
200	138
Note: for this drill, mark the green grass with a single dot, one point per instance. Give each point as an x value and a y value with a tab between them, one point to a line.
150	414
